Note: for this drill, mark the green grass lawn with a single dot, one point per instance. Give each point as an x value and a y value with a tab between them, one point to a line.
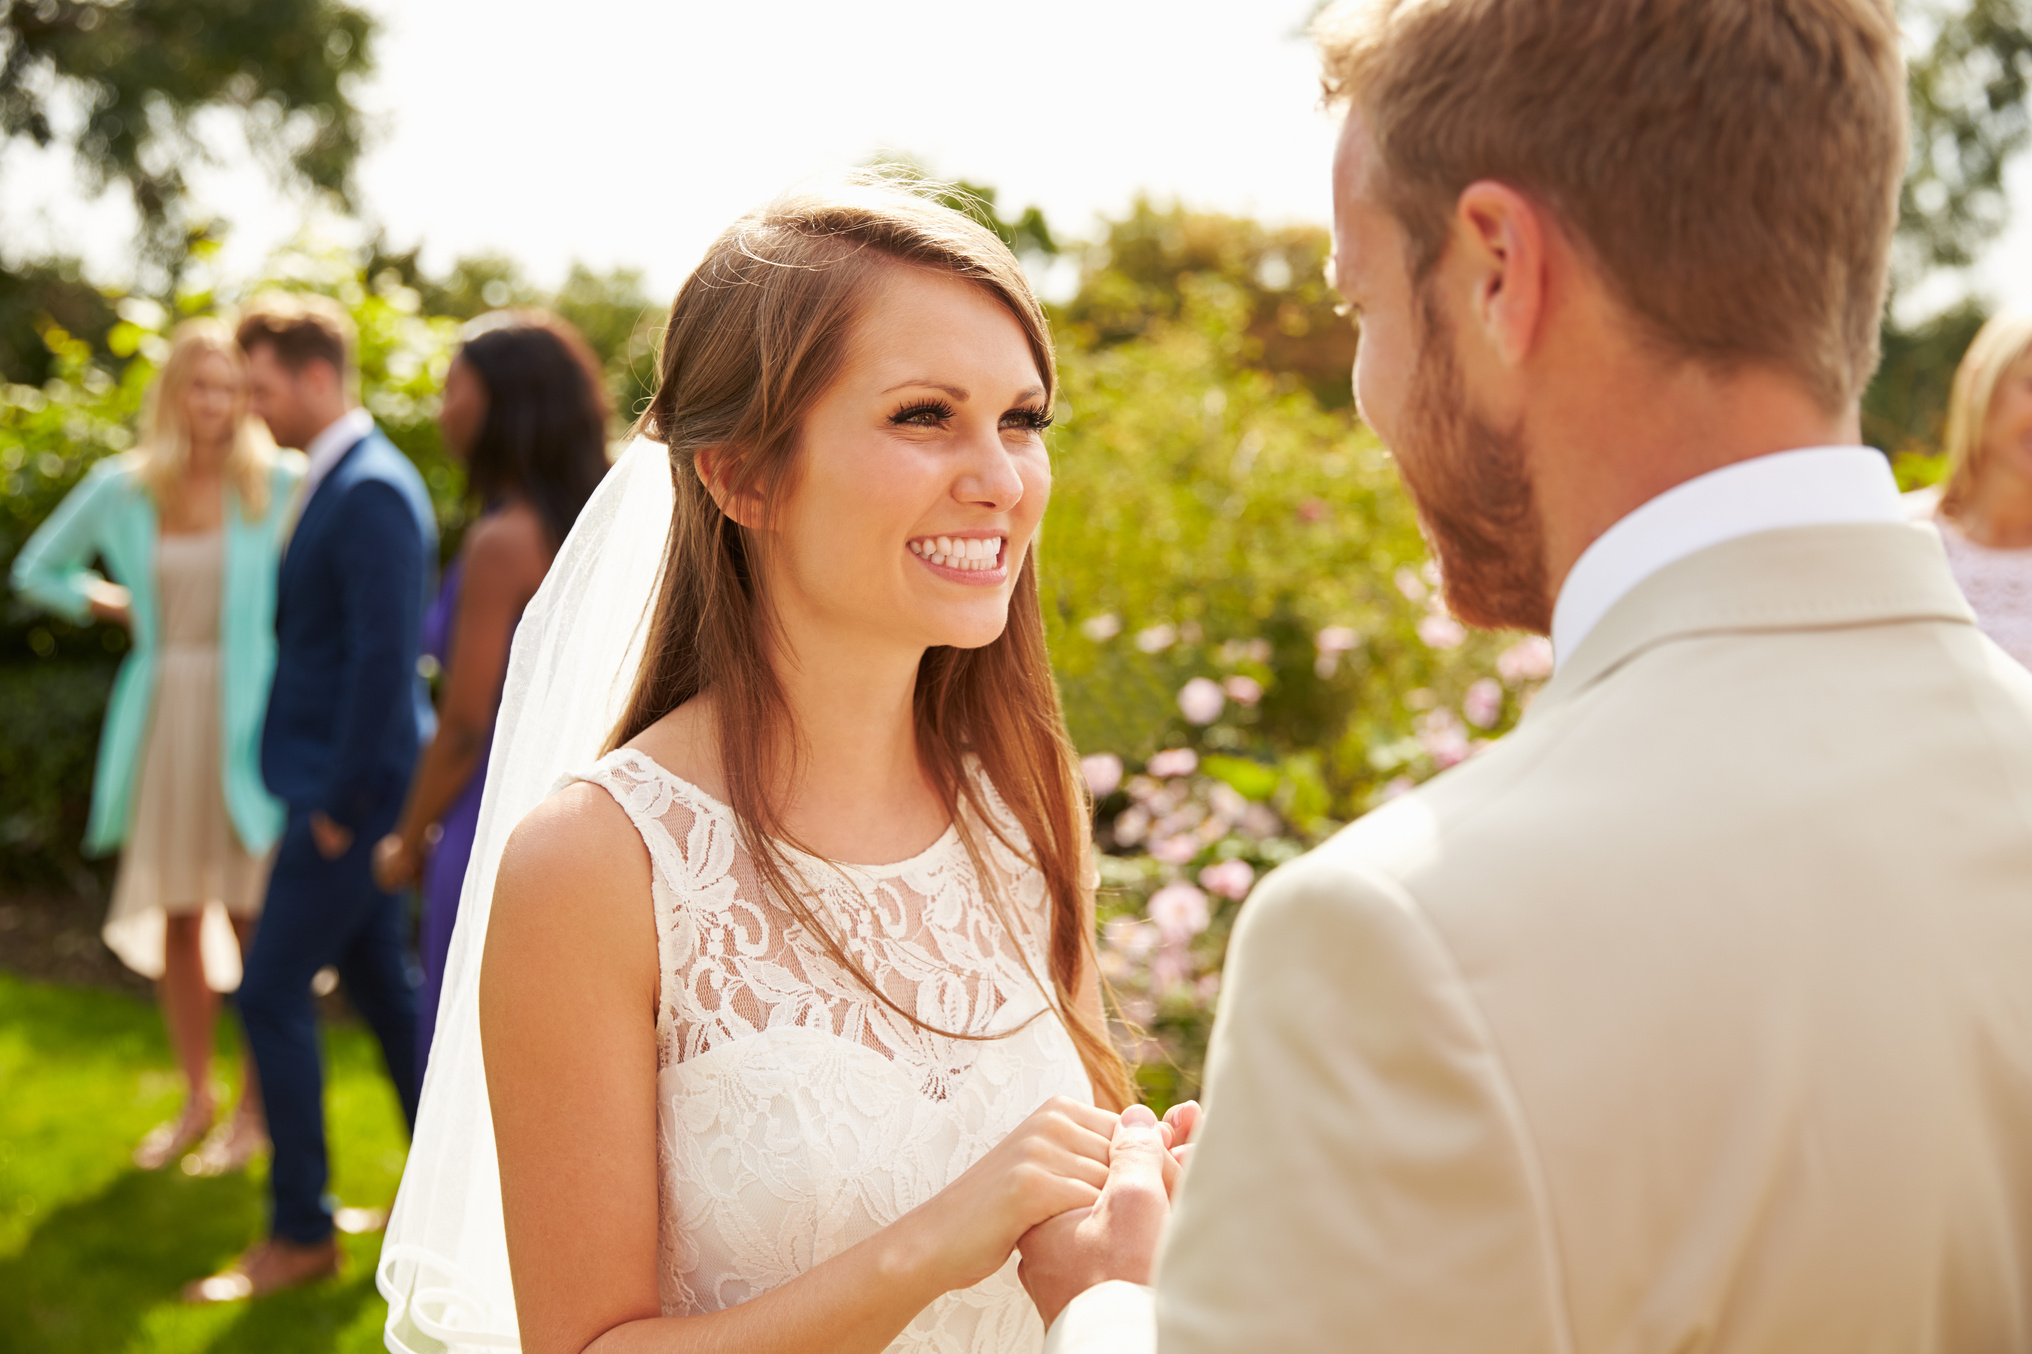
93	1251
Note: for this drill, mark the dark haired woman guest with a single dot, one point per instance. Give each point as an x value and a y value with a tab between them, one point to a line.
523	408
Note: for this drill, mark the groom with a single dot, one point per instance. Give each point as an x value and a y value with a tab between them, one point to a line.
1696	1014
345	717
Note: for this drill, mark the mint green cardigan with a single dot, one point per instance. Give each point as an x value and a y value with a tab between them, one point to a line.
111	515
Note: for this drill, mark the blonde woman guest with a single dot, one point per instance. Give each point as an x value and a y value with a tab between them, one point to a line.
188	526
1984	507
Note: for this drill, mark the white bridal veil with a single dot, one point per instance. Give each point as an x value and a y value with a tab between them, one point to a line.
444	1262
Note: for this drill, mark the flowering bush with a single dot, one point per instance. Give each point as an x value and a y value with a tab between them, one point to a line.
1182	844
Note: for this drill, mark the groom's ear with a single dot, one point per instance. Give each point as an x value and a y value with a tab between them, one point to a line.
710	464
1503	237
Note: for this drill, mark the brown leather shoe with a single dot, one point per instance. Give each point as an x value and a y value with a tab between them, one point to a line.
268	1267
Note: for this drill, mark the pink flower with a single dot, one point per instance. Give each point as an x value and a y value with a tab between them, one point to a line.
1173	762
1103	771
1312	510
1412	586
1133	940
1444	740
1336	639
1101	628
1332	642
1528	660
1130	825
1229	879
1180	912
1172	966
1259	820
1175	850
1201	701
1484	703
1398	787
1157	638
1243	690
1441	632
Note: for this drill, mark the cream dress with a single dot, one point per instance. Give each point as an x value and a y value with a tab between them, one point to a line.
182	853
796	1114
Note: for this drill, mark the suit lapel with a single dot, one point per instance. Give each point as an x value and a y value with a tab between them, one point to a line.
1798	578
309	514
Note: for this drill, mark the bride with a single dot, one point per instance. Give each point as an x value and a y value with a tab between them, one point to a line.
790	1018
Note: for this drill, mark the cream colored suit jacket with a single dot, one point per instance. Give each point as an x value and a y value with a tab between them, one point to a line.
1696	1015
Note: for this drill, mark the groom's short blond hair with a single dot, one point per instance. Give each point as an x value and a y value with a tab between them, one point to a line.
1732	166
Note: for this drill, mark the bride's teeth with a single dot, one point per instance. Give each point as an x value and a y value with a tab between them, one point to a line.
968	554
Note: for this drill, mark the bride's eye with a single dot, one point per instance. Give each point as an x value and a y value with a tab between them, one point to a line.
1029	419
923	414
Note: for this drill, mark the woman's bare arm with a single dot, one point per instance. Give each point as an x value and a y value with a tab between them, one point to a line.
506	556
568	1023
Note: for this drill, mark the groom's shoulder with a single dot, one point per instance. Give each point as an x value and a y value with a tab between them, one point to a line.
1392	860
1368	865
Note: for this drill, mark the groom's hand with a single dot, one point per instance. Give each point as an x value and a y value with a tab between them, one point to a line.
333	839
1114	1239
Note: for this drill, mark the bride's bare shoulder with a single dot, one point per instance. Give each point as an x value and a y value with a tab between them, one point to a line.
572	874
685	743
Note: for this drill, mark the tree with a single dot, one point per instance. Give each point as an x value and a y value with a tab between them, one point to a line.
1139	273
122	84
1968	87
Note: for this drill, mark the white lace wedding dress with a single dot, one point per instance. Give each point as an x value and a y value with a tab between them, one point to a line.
796	1113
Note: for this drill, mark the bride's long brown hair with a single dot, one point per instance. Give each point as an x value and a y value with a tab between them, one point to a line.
756	335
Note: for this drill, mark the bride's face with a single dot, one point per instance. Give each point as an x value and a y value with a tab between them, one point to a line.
922	474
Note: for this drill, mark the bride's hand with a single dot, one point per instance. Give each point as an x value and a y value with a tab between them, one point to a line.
1056	1160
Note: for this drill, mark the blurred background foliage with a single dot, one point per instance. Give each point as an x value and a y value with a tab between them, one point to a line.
1243	619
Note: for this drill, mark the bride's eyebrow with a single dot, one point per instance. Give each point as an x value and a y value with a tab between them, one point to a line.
959	392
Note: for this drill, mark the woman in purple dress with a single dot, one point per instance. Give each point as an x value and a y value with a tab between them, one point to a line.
523	408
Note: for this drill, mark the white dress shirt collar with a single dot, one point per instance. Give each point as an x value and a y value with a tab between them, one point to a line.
1815	486
338	438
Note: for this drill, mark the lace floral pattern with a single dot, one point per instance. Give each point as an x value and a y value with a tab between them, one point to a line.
1998	585
797	1114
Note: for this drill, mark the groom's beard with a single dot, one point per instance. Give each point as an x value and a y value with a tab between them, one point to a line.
1474	496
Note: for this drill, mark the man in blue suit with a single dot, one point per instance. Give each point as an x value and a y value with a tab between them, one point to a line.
346	717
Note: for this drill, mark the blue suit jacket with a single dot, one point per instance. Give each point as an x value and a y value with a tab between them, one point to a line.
348	710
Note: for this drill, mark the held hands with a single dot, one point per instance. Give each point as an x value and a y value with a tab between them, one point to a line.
1056	1160
1115	1238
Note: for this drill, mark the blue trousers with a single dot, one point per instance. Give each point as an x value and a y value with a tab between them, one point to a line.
321	913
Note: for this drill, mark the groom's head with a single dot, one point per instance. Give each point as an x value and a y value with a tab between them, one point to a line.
1549	212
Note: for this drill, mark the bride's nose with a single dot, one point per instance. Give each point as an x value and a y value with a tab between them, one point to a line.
989	479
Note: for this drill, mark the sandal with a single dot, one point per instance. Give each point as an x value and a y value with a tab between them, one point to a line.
226	1149
169	1140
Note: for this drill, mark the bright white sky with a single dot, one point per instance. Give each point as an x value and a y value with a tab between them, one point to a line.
630	133
633	132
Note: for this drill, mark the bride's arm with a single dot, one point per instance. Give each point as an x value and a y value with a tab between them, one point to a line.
568	995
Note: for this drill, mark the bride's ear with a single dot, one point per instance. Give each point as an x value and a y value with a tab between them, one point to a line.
710	465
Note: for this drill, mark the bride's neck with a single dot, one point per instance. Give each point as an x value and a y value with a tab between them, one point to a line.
860	791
